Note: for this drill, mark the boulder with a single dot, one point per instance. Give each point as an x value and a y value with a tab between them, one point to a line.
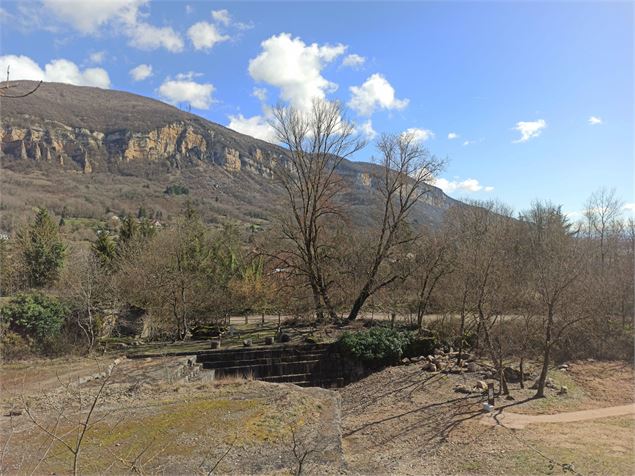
439	352
247	343
432	367
268	340
511	374
563	390
215	344
471	367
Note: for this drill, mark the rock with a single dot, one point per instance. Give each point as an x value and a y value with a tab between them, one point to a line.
268	340
563	390
284	337
310	340
550	383
481	385
462	389
432	368
247	343
215	344
471	367
563	367
439	352
511	374
405	361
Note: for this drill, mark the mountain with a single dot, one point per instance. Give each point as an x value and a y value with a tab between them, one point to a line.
89	151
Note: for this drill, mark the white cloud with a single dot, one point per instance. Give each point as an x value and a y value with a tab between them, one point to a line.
205	35
420	135
453	135
97	57
295	67
353	61
58	70
469	185
221	16
366	130
260	93
255	126
148	37
141	72
529	129
629	207
184	89
594	120
375	93
89	16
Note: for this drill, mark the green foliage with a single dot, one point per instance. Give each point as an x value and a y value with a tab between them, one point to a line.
420	345
42	250
380	345
176	189
35	315
105	248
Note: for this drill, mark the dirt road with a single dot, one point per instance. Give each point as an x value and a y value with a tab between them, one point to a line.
519	420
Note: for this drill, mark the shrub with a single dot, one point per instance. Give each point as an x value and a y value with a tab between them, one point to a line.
176	189
35	315
379	345
420	345
13	346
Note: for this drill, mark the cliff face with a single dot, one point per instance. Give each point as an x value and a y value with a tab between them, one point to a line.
177	143
95	131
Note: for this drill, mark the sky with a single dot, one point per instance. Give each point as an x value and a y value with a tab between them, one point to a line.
525	100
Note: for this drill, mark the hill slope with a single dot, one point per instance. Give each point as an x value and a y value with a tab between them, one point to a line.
92	150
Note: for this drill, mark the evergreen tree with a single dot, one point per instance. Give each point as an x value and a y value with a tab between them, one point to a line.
42	250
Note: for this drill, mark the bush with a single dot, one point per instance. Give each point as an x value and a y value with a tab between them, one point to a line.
13	346
176	189
419	345
379	345
35	315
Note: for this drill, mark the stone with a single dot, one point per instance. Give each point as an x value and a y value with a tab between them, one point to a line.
268	340
471	367
215	344
284	337
563	390
481	385
432	368
405	361
511	374
247	343
563	367
439	352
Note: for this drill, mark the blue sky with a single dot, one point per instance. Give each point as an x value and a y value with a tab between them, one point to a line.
539	95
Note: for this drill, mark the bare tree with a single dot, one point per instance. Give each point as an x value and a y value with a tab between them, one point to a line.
602	210
4	89
407	168
318	140
556	264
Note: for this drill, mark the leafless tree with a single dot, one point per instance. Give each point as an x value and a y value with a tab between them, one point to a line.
4	89
407	169
317	140
555	265
602	210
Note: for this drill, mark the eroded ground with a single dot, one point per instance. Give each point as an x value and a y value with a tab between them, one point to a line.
402	420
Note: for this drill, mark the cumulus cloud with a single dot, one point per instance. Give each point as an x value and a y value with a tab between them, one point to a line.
184	89
260	93
88	17
453	135
366	130
419	135
353	61
221	16
141	72
295	68
529	129
58	70
594	120
255	126
375	93
468	185
204	35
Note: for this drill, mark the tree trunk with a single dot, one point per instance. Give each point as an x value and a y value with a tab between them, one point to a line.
358	304
521	367
540	393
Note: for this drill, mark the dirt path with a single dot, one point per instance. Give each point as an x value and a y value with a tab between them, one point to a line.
519	420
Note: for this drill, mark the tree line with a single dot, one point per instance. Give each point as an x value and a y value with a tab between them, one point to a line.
531	285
